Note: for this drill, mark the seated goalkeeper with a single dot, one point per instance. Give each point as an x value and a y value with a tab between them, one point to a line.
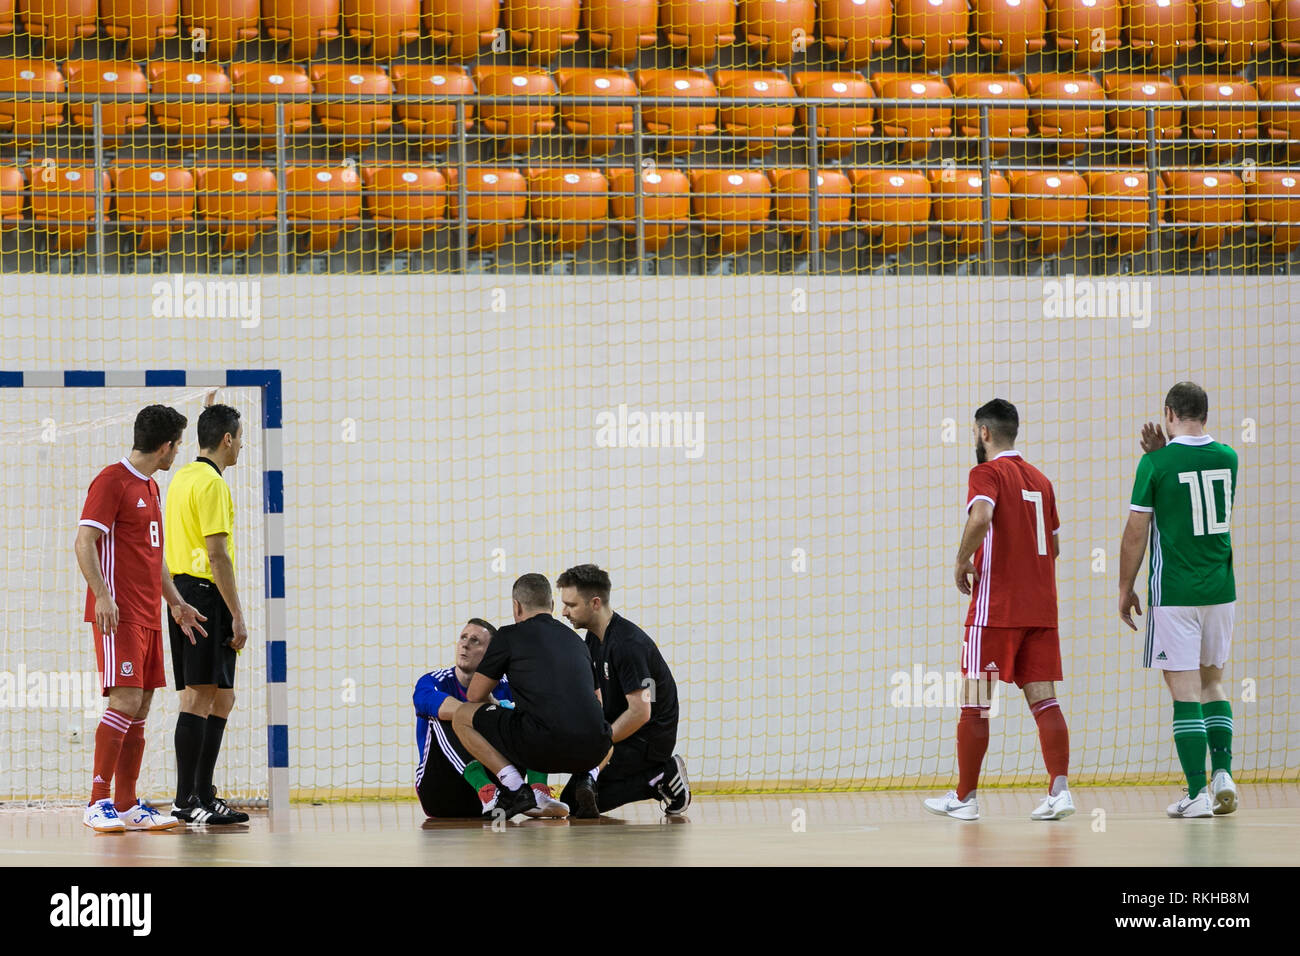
450	782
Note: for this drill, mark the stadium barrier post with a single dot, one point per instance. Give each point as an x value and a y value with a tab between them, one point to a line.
1153	188
638	146
986	193
281	200
97	114
462	189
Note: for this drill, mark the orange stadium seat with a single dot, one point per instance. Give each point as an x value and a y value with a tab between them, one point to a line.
306	24
777	29
225	23
1236	31
793	203
1087	28
561	201
7	19
1286	26
856	29
1214	125
1281	124
622	28
355	122
893	205
1273	202
763	125
732	204
1119	205
108	76
437	120
265	79
141	196
63	202
676	123
542	28
1049	196
958	205
1201	199
851	123
665	196
1011	28
597	125
405	192
59	24
1132	123
1055	123
491	194
699	27
13	195
514	125
1161	30
911	123
382	27
461	27
322	201
189	123
142	23
28	119
238	201
1009	123
932	29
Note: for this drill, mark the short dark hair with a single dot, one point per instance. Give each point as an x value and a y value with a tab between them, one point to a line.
155	426
479	622
215	423
589	580
532	590
1000	418
1188	402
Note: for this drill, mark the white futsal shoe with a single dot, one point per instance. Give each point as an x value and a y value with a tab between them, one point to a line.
102	818
1189	808
949	806
144	817
1225	793
547	806
1054	808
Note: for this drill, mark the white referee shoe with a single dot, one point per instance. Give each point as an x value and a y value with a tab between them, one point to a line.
1189	808
949	806
102	818
1054	808
144	817
1225	793
547	806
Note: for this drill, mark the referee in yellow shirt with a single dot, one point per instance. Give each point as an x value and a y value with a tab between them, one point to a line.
198	535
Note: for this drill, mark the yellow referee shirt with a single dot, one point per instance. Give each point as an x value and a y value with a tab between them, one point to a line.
198	504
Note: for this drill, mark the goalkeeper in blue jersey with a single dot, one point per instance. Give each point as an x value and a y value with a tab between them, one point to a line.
448	780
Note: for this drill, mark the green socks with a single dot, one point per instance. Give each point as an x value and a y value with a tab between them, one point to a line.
534	777
476	776
1218	731
1189	740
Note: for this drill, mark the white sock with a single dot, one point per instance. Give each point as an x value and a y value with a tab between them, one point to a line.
509	777
595	772
1058	785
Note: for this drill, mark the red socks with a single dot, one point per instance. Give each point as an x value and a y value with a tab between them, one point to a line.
109	737
1055	738
972	743
128	768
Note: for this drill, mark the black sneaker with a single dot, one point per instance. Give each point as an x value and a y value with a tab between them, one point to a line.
584	797
674	789
219	806
514	803
184	811
207	813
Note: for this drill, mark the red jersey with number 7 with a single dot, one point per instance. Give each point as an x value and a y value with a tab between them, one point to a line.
1017	583
126	505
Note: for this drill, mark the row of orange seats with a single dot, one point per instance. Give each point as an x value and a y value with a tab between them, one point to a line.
1159	29
762	123
567	205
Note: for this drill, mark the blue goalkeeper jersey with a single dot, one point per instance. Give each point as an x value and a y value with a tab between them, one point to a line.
435	687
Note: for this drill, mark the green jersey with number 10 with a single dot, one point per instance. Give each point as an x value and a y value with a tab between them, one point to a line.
1190	485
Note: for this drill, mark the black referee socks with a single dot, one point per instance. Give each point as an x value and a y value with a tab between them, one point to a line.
190	734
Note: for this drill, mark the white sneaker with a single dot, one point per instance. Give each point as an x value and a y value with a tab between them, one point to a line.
547	806
144	817
102	818
949	806
1192	807
1225	793
1054	808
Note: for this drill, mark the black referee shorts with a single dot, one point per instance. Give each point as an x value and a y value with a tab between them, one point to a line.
526	742
211	659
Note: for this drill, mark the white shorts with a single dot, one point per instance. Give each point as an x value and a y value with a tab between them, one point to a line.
1185	638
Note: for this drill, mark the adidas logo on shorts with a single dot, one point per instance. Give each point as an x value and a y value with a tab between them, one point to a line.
1161	656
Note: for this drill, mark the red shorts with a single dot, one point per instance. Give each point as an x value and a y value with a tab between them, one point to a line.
1014	655
132	656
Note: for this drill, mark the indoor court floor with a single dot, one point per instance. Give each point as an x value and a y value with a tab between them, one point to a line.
1114	826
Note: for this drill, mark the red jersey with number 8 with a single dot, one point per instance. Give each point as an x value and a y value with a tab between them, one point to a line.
1017	569
126	505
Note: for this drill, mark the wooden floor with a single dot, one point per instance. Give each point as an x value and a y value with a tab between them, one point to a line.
1113	827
